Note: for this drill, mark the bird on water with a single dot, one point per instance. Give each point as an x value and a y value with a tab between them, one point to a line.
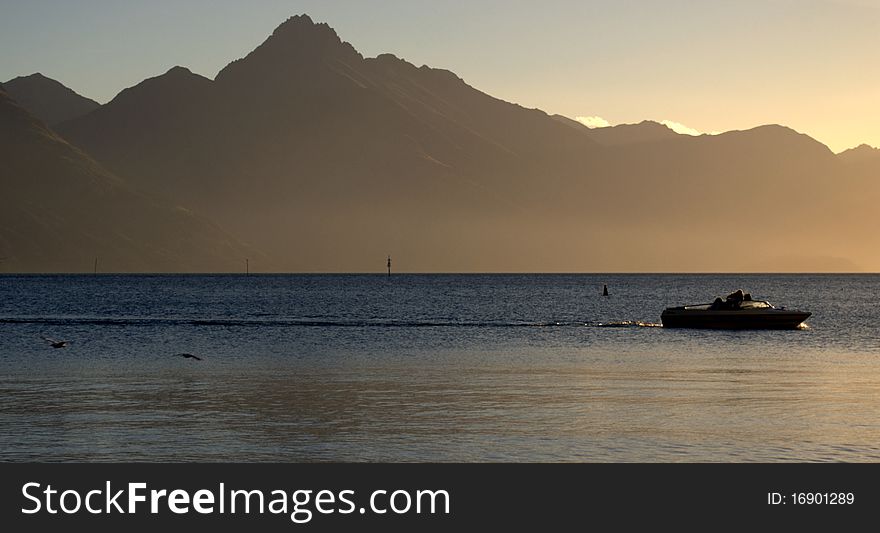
188	356
56	344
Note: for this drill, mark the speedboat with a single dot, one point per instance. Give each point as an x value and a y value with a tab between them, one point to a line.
738	311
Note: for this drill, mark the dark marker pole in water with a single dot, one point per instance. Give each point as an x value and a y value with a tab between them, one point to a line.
389	266
604	290
247	267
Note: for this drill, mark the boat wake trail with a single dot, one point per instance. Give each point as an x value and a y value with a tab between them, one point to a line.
326	322
629	324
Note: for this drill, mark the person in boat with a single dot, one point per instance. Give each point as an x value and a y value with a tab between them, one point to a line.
737	296
735	299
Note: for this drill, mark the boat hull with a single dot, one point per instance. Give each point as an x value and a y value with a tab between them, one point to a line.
733	319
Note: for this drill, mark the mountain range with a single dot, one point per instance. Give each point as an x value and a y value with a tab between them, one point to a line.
47	99
326	160
61	212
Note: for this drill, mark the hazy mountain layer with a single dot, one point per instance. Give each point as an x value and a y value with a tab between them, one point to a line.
60	210
329	161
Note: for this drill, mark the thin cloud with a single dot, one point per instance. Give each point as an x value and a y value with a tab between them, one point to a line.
593	122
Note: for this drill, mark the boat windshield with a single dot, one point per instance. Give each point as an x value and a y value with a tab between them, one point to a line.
752	304
748	304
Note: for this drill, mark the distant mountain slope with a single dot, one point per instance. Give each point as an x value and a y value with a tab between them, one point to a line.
862	155
306	135
60	210
331	161
863	162
623	134
47	99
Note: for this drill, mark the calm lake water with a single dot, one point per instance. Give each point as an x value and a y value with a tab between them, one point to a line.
432	368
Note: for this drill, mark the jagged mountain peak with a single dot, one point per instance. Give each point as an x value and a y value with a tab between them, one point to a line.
301	26
301	32
295	44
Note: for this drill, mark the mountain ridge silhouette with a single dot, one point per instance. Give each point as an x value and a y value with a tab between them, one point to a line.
306	148
47	99
61	211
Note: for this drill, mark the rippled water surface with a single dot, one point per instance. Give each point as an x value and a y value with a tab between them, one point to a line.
432	368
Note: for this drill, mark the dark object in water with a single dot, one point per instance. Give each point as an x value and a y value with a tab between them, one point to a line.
604	290
55	344
738	311
189	356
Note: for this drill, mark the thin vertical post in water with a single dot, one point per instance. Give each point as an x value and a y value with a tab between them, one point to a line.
247	266
389	266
